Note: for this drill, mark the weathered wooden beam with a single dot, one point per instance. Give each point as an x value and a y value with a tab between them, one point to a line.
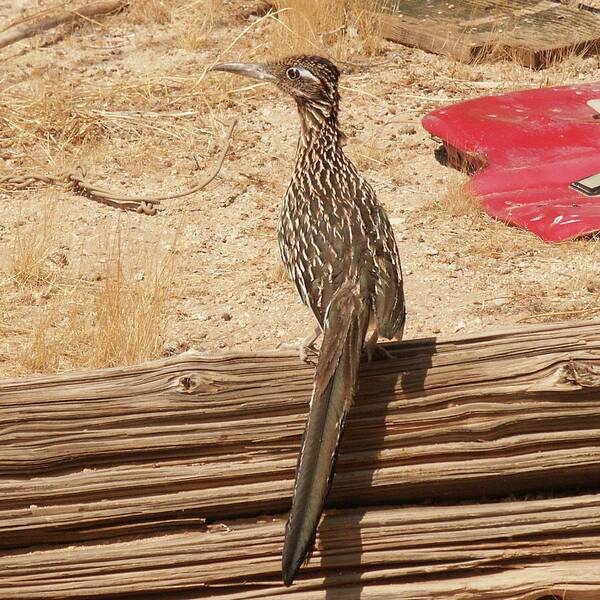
534	34
525	550
167	444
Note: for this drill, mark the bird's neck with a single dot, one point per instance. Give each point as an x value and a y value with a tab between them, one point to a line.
320	133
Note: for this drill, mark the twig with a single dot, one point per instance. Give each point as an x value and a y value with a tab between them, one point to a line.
558	313
103	7
76	181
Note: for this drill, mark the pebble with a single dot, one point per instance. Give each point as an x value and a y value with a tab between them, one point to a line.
499	301
504	269
201	317
432	251
226	316
407	130
460	326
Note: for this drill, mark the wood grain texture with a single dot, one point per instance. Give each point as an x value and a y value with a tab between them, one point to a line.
533	33
138	466
504	550
215	438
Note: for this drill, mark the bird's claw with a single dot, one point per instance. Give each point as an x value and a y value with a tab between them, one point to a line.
373	348
308	354
307	351
380	352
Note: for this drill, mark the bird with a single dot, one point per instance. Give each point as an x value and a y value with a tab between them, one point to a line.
339	249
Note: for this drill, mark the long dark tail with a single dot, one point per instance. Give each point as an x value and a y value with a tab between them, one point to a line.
344	331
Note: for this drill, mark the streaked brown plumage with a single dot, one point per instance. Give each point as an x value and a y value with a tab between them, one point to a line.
339	249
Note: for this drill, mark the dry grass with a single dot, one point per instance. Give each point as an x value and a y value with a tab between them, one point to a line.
544	282
33	247
152	11
339	29
198	24
130	309
459	200
118	320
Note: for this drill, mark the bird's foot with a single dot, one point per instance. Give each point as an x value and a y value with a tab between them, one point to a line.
307	349
374	349
378	352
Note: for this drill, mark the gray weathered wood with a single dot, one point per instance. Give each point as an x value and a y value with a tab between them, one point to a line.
533	33
163	445
524	550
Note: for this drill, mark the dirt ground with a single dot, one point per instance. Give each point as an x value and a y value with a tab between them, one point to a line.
127	98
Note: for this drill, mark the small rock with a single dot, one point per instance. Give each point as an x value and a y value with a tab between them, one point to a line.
432	251
226	316
504	269
499	301
200	317
398	220
435	330
407	130
59	259
460	326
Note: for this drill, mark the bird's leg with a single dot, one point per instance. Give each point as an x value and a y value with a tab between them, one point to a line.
306	348
372	348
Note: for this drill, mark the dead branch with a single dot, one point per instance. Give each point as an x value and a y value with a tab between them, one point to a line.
77	183
95	9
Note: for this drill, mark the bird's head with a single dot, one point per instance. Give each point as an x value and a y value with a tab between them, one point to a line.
311	80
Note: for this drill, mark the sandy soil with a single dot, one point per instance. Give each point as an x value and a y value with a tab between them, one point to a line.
72	100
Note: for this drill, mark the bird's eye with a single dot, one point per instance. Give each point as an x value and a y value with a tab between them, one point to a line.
292	73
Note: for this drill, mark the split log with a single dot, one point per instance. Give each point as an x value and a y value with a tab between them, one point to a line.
526	550
165	445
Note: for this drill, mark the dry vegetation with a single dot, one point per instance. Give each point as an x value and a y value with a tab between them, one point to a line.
331	28
130	100
117	318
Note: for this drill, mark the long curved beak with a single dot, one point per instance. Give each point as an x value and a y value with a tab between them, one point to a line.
253	70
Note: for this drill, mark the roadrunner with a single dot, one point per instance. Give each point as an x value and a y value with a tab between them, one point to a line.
339	249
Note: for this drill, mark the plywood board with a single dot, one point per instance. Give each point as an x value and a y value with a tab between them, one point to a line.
533	34
593	5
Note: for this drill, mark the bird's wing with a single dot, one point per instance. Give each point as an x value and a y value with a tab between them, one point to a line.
390	309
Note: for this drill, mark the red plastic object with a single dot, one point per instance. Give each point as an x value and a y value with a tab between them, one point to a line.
532	145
